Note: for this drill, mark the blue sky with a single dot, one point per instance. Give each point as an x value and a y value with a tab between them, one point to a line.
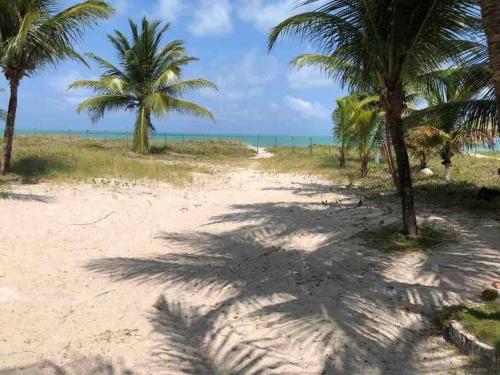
259	93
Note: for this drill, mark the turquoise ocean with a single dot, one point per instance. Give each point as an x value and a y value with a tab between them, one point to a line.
254	140
251	139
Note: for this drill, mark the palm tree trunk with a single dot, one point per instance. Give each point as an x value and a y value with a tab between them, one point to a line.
393	99
377	155
389	156
141	132
342	157
491	20
9	126
364	165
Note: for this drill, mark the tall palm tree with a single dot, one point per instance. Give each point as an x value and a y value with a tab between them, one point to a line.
384	44
146	80
491	20
36	34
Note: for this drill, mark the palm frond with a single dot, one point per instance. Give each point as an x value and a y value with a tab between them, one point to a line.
97	106
147	78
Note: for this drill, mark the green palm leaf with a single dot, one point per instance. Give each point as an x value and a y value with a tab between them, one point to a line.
146	79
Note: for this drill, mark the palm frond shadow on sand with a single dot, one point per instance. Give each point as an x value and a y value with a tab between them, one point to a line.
184	348
90	365
337	299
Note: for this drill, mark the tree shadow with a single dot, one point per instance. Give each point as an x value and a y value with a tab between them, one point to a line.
94	366
185	347
26	197
297	275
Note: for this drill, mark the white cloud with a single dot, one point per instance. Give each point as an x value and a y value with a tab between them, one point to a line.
121	6
170	10
265	14
213	17
245	79
308	77
310	110
61	82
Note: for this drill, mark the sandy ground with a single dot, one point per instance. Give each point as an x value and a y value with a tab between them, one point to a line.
247	273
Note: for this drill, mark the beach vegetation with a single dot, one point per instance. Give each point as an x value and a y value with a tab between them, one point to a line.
362	50
147	80
36	35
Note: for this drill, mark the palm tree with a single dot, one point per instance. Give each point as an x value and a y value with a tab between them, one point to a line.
384	44
36	34
491	20
146	80
353	127
449	121
342	118
365	130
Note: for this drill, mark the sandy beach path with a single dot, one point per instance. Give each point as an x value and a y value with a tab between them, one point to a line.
242	273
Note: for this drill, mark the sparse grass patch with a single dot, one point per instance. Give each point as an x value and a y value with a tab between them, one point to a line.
209	150
57	159
323	161
389	238
469	175
482	321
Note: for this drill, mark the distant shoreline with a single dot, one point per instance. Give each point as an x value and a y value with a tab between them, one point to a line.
255	140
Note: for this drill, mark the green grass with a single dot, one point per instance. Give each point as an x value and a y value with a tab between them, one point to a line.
58	159
209	150
482	321
468	176
389	239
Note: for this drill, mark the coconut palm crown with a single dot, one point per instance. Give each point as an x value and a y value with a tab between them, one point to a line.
146	80
377	46
35	34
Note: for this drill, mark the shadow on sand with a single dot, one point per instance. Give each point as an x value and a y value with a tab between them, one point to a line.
94	366
296	292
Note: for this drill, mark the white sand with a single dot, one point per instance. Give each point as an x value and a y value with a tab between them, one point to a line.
247	274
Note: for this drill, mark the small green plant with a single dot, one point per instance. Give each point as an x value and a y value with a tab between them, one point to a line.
482	321
389	239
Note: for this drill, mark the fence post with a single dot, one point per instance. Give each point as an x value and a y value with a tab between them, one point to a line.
310	145
105	136
183	143
293	145
258	142
88	136
165	136
69	134
275	145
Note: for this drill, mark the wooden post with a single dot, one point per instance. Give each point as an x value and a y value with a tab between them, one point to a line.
293	145
310	145
69	134
275	145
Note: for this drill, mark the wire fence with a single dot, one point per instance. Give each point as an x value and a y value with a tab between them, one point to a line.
271	142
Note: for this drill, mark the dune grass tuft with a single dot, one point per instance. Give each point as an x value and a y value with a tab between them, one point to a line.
389	238
469	175
58	159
